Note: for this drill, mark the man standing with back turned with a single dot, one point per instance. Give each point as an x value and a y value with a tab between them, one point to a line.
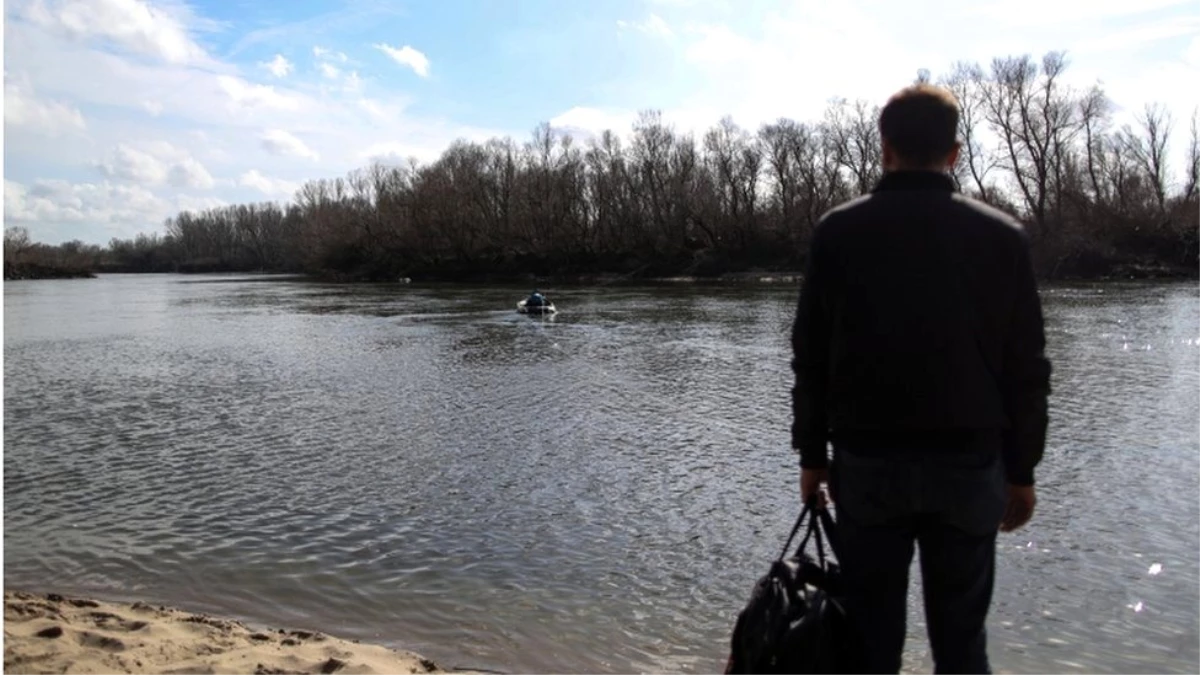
918	353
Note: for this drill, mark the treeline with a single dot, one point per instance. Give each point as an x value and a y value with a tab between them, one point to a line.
1097	200
26	259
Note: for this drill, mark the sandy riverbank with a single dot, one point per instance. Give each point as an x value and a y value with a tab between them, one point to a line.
56	634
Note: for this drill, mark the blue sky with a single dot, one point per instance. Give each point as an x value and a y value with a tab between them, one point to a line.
119	113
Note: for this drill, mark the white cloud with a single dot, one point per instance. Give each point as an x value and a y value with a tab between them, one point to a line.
130	207
54	210
340	81
323	53
272	187
407	56
330	71
582	121
720	45
1137	35
373	108
131	164
190	173
214	116
243	94
652	25
754	61
399	153
586	123
190	203
22	108
90	76
348	79
759	62
280	142
1039	13
423	141
278	66
132	25
1191	54
156	164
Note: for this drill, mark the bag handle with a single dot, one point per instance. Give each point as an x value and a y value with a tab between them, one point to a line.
796	528
814	508
821	524
830	529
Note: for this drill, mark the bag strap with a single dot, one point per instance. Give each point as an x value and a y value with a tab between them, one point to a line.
814	527
796	528
821	524
820	540
830	527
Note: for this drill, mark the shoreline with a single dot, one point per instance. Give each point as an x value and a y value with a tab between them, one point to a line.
53	633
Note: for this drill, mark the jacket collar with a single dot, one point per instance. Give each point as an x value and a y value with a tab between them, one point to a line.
915	180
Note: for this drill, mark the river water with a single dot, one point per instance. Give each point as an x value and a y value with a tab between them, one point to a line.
597	492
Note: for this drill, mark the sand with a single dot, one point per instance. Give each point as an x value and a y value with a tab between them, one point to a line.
56	634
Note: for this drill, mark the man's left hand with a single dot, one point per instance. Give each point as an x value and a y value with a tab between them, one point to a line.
811	481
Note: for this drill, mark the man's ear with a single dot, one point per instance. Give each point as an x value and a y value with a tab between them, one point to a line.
952	158
887	157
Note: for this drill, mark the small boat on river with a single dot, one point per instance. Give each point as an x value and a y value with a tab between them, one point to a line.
536	303
547	308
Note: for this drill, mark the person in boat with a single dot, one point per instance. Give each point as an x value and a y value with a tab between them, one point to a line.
535	299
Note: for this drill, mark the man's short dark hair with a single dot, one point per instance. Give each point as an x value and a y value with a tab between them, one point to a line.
920	123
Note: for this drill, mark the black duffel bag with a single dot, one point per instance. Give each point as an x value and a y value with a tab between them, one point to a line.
795	621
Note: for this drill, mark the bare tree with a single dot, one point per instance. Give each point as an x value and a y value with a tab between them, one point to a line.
854	134
1192	169
966	81
16	242
1030	110
1149	150
667	201
1094	112
650	153
777	141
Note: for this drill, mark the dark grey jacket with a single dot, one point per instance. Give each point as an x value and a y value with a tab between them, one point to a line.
919	324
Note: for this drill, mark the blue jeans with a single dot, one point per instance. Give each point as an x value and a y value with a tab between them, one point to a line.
949	505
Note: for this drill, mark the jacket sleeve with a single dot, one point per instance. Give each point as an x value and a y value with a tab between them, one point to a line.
1025	376
810	360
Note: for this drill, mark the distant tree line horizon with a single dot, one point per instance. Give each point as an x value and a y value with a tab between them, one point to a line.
1096	200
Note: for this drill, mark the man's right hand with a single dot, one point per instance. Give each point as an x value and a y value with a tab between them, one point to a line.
1019	509
811	481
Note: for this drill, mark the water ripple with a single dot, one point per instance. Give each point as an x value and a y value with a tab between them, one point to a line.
599	492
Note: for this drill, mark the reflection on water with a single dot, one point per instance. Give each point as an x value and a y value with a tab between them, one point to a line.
426	468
